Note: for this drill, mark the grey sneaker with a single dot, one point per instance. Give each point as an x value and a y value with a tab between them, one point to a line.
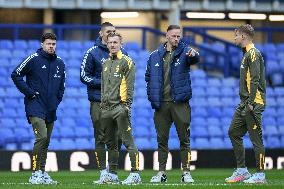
186	177
239	175
133	178
256	178
160	177
36	178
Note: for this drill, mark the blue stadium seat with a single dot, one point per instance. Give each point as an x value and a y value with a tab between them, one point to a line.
67	144
269	92
6	44
88	44
227	91
199	112
214	101
214	111
132	46
27	146
269	121
68	122
55	144
271	67
76	54
81	132
214	82
213	91
213	121
279	91
199	132
198	73
273	142
4	53
75	45
13	92
154	143
4	72
20	44
270	131
83	122
280	120
216	143
270	112
198	92
280	111
198	122
202	143
228	102
83	144
174	144
142	143
271	102
62	45
199	83
247	142
141	131
22	135
173	131
215	131
227	143
11	146
64	54
33	44
282	141
7	134
277	79
10	112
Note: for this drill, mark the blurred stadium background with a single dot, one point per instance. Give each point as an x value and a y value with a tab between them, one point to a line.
208	26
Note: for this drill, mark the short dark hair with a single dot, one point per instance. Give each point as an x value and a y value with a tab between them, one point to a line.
106	24
115	34
48	36
172	27
247	29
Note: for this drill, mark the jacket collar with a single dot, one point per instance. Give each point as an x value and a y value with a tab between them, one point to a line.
117	56
163	49
99	43
248	47
46	55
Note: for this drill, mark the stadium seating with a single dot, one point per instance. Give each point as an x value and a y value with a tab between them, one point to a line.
213	103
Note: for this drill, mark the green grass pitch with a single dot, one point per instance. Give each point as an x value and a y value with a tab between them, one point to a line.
204	178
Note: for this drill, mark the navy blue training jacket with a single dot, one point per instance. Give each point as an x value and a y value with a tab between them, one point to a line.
91	68
44	74
179	75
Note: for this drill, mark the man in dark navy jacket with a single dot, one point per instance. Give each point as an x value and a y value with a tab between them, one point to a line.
90	75
43	90
169	91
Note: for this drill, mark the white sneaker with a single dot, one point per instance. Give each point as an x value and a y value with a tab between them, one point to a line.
133	178
47	179
36	178
104	174
160	177
186	177
256	178
239	175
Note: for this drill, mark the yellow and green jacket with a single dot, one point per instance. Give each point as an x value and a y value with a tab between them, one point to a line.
118	76
252	76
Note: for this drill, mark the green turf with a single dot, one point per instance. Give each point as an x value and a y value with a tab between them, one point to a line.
204	178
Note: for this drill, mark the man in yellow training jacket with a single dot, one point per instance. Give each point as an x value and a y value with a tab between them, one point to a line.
248	115
118	75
